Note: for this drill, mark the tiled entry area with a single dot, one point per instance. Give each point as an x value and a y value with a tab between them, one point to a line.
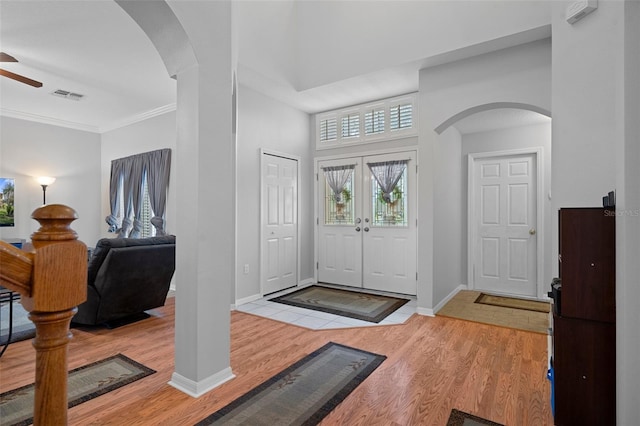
316	320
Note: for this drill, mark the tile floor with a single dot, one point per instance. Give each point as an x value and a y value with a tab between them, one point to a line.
316	320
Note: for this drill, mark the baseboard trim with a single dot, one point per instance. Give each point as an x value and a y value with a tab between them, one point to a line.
427	312
247	299
307	282
449	297
197	389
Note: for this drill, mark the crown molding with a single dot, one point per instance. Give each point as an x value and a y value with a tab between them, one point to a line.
139	117
48	120
84	127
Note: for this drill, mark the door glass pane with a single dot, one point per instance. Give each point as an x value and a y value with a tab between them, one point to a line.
339	212
394	212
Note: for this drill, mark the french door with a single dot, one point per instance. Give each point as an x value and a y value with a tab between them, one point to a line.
367	222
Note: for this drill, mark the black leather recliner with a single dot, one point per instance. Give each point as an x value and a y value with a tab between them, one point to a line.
127	276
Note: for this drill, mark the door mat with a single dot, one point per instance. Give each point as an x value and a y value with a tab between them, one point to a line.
460	418
85	383
352	304
514	303
305	392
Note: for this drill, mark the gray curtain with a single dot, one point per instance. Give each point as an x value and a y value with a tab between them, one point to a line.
132	171
387	175
158	167
127	189
337	177
136	178
114	200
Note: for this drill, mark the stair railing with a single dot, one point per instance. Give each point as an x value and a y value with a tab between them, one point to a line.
52	282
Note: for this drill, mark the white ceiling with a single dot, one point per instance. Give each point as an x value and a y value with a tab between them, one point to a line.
94	48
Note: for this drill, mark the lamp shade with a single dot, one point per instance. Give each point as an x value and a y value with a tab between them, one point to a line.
45	180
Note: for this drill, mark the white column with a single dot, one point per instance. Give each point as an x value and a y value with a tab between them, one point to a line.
205	197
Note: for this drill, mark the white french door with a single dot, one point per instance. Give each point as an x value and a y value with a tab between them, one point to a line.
366	235
280	223
504	197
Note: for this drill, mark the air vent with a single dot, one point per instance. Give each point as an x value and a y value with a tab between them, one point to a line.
68	95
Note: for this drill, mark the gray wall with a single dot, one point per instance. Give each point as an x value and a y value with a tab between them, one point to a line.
268	124
28	150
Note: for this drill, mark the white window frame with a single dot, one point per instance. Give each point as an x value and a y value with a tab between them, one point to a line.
362	109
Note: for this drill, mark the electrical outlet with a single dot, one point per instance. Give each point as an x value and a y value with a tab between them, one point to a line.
246	268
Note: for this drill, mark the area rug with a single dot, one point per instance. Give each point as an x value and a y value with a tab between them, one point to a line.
352	304
512	302
85	383
460	418
305	392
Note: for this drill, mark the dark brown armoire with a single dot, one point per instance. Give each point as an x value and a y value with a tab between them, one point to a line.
584	330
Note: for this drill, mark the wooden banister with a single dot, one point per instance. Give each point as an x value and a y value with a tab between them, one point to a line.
52	280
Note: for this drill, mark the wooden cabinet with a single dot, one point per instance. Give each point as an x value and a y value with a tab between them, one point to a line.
588	263
584	329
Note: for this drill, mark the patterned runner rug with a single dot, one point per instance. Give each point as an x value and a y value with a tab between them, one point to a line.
304	393
85	383
352	304
460	418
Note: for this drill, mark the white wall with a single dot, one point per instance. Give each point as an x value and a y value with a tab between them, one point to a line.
450	215
148	135
596	92
268	124
364	37
29	149
531	136
519	75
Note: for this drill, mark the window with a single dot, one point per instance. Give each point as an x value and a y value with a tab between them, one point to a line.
374	121
351	126
138	194
328	130
401	116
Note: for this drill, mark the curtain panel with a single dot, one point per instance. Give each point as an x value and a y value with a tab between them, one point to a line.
337	177
387	174
128	176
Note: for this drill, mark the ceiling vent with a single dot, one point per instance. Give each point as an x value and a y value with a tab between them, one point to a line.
68	95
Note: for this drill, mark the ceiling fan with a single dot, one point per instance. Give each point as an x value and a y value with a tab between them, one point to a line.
22	79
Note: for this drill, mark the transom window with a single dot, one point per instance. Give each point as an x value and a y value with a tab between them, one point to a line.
381	120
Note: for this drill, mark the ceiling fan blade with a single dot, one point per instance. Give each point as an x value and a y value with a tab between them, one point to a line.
20	78
7	58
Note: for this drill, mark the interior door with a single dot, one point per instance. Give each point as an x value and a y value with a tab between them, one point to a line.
505	198
389	229
280	223
339	222
365	240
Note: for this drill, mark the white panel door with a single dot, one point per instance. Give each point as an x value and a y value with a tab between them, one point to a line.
389	228
280	223
505	238
339	230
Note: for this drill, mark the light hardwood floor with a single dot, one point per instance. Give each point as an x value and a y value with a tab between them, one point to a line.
433	365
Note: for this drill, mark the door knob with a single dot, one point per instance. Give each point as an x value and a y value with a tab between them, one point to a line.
532	231
358	229
358	220
366	229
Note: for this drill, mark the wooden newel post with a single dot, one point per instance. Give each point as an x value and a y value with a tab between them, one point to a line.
59	285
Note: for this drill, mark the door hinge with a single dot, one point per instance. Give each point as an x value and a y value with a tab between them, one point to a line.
416	168
317	221
317	265
416	276
316	176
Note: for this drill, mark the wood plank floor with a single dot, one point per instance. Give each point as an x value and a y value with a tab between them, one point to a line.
433	365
